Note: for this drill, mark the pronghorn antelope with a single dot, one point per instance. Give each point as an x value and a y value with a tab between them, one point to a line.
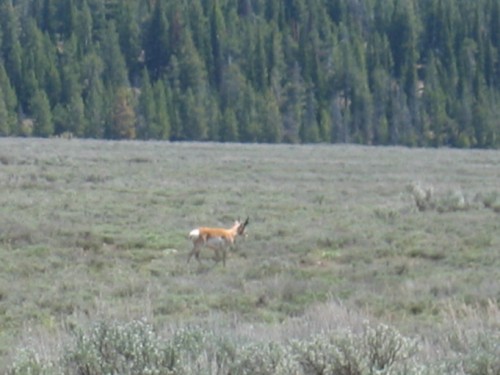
218	239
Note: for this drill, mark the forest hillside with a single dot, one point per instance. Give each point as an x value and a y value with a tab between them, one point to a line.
405	72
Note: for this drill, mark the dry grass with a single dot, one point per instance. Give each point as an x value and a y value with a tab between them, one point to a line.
97	230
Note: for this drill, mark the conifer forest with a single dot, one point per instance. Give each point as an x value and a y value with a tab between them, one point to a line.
377	72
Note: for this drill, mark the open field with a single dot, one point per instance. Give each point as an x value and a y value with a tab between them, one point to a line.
338	235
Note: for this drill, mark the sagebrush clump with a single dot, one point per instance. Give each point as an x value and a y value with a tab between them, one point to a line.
137	348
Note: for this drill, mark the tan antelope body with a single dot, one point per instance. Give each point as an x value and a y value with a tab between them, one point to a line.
217	239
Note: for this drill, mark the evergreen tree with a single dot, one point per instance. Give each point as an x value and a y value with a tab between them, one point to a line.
156	44
434	100
403	40
325	125
269	117
122	121
194	115
229	128
192	71
43	125
96	103
39	64
115	68
71	83
94	99
381	93
66	15
9	99
294	105
276	57
47	16
217	36
4	116
11	48
259	63
129	35
147	128
248	128
76	116
198	24
339	116
175	101
309	131
161	116
84	28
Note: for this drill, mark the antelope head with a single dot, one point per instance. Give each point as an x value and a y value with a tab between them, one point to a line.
242	227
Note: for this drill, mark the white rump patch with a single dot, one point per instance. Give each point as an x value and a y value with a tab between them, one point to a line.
194	234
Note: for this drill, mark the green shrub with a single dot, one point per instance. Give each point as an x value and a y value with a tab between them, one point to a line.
327	355
265	359
131	348
377	350
136	348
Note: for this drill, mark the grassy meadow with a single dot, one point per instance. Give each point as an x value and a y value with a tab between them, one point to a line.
96	231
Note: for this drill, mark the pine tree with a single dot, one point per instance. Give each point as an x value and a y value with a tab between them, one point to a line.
115	68
76	116
325	125
84	28
381	92
260	73
194	115
10	101
47	16
229	128
309	131
294	105
192	71
403	40
39	63
434	100
129	35
147	128
4	116
96	103
70	71
217	37
269	117
156	44
123	120
340	127
198	24
42	116
246	115
175	101
276	58
161	116
66	15
11	48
